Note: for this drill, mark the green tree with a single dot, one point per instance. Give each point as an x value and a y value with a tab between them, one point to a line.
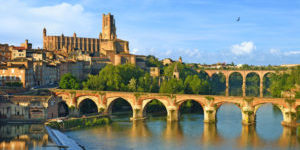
152	61
113	78
68	81
147	83
172	86
284	81
132	85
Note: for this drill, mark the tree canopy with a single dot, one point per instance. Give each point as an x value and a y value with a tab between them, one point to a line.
68	81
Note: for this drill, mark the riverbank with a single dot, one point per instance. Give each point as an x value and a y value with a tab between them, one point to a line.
78	123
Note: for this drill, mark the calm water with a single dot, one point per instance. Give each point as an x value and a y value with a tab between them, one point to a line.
24	137
156	133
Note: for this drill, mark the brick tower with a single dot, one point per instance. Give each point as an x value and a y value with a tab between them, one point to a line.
108	27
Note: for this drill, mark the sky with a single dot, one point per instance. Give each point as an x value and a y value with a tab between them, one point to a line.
200	31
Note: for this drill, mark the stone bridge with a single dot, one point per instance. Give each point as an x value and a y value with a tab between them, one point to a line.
243	73
172	102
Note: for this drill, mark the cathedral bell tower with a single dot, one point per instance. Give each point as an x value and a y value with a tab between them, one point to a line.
108	27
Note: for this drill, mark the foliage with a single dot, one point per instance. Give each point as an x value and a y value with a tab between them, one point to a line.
155	107
235	82
191	106
195	85
209	98
284	82
68	81
79	123
113	78
132	85
184	70
172	86
148	84
252	84
218	84
152	61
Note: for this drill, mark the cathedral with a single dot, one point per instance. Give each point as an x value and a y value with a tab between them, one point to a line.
107	45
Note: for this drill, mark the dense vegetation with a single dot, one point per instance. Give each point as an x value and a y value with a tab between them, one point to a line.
77	123
287	81
68	81
133	79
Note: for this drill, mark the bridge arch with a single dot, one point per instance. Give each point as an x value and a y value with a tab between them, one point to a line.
65	97
146	103
271	115
196	106
87	106
110	100
218	83
93	98
113	100
266	83
235	86
63	109
229	115
219	104
252	84
258	106
203	74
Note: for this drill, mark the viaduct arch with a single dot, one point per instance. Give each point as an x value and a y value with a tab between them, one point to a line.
172	102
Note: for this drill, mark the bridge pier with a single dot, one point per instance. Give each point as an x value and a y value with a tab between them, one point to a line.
227	86
248	116
261	88
137	113
244	86
172	113
289	117
209	114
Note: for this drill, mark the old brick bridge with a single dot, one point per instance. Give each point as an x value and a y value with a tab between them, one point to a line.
172	102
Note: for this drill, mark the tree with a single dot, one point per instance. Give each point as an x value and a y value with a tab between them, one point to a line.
132	85
113	78
172	86
147	83
285	82
68	81
152	61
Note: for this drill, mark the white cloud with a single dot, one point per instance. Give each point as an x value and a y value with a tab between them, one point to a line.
20	21
243	48
292	53
274	51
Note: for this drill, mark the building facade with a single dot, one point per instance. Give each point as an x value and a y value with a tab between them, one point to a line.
106	45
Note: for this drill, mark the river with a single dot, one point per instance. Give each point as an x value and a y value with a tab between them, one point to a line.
189	133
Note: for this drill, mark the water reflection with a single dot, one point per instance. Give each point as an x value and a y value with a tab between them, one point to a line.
191	133
210	135
22	137
249	137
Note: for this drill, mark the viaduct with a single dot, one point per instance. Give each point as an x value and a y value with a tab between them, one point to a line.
172	102
243	73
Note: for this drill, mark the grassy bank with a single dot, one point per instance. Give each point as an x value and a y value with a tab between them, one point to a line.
78	123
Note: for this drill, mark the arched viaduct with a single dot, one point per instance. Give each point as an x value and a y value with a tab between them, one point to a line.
172	103
243	73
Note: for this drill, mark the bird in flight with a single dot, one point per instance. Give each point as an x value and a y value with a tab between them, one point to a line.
238	19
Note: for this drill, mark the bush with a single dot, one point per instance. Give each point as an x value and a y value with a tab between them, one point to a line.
80	123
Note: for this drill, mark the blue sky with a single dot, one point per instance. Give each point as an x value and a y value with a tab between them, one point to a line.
201	31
